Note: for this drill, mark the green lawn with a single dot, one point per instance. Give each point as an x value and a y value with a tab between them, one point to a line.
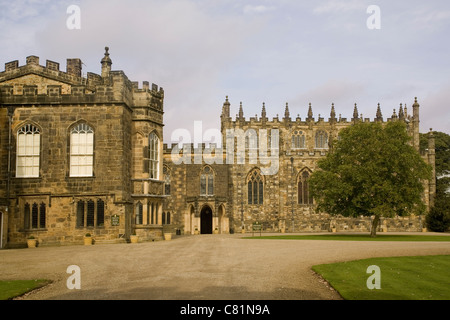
357	237
401	278
12	289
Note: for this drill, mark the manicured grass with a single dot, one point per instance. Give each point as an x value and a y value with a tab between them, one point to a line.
401	278
356	237
15	288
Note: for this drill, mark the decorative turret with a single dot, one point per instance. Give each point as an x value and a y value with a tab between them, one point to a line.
355	113
394	115
379	114
287	115
332	114
401	115
263	113
106	64
415	124
226	109
241	113
310	113
432	161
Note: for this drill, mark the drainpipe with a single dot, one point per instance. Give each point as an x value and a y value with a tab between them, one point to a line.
8	188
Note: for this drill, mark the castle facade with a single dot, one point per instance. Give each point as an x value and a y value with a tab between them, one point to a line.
85	154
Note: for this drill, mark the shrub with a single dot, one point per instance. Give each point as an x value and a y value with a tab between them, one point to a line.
438	219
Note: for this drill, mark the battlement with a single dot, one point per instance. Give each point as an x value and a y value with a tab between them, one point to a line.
35	84
192	148
51	69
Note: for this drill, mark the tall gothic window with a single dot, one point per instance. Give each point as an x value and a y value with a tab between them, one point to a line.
298	140
207	182
321	140
304	195
81	151
255	187
153	156
28	152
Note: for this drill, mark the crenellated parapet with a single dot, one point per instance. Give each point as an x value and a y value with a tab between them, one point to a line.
35	84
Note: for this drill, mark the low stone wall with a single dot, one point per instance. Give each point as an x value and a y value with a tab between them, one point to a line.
320	222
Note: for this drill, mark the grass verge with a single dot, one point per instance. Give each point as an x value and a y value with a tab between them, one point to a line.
356	237
401	278
16	288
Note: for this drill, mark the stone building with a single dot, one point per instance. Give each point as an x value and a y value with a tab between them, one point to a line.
78	154
235	187
85	154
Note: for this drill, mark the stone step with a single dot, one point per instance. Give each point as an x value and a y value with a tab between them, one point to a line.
113	241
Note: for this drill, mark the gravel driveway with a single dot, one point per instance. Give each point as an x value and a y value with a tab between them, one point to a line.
205	267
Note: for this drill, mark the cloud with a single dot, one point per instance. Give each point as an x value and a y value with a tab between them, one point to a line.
249	9
339	6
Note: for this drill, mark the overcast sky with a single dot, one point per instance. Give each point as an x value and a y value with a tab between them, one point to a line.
201	51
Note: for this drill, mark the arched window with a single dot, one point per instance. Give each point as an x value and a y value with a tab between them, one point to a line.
90	214
42	215
207	182
28	152
304	195
153	156
321	140
100	213
255	187
298	140
81	151
80	213
34	216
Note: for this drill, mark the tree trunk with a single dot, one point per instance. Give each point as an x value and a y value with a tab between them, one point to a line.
373	232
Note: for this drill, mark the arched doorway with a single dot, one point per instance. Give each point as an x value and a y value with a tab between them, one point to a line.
206	220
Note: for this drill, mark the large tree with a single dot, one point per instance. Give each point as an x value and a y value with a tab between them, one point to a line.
371	170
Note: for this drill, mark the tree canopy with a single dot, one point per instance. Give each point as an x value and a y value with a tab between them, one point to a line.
371	170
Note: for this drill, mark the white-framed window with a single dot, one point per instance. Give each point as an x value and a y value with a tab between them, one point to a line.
153	149
28	152
82	151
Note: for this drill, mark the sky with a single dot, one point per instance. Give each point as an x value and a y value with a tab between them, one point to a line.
254	52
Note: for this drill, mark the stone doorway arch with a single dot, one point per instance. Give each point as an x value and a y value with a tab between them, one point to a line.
206	220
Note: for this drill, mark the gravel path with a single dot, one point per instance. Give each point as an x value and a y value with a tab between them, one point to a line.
206	267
